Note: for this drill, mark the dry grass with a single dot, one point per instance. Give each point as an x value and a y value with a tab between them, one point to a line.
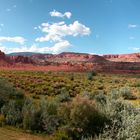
135	102
9	134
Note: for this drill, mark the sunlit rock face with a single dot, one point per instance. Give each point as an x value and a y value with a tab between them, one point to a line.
134	57
69	61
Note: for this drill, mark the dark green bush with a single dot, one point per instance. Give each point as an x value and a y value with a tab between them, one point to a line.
86	119
8	92
89	76
63	96
101	98
12	113
62	135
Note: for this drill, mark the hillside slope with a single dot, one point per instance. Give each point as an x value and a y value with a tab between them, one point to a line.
134	57
70	61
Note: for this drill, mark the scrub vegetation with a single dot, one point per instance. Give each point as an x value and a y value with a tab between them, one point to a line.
69	106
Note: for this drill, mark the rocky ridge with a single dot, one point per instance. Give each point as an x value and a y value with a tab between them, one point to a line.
69	61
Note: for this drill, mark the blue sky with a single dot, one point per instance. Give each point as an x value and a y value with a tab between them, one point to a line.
54	26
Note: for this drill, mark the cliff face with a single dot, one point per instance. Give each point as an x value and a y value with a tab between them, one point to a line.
4	60
21	59
11	60
2	55
119	63
135	57
68	57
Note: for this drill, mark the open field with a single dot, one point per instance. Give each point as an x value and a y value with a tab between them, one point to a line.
51	84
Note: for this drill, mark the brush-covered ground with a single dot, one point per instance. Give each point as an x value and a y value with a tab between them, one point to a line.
68	105
52	84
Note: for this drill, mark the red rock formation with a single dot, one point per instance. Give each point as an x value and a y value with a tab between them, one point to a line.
69	57
2	55
73	62
135	57
21	59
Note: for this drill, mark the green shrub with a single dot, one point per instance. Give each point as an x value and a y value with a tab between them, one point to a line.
126	93
101	98
2	120
63	96
86	119
62	135
49	116
89	76
124	120
8	92
29	113
50	123
64	113
11	113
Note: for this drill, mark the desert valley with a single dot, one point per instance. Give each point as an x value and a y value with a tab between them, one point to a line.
69	70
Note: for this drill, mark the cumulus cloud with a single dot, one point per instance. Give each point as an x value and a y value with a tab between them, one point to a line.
16	39
3	48
56	48
55	13
132	26
57	31
60	46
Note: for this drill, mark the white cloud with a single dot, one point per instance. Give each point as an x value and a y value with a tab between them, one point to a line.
54	32
136	49
57	48
8	9
132	26
55	13
3	48
131	38
67	14
57	31
16	39
35	28
14	6
60	46
1	24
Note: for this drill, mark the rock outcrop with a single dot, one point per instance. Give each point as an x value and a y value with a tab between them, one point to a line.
21	59
134	57
69	61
